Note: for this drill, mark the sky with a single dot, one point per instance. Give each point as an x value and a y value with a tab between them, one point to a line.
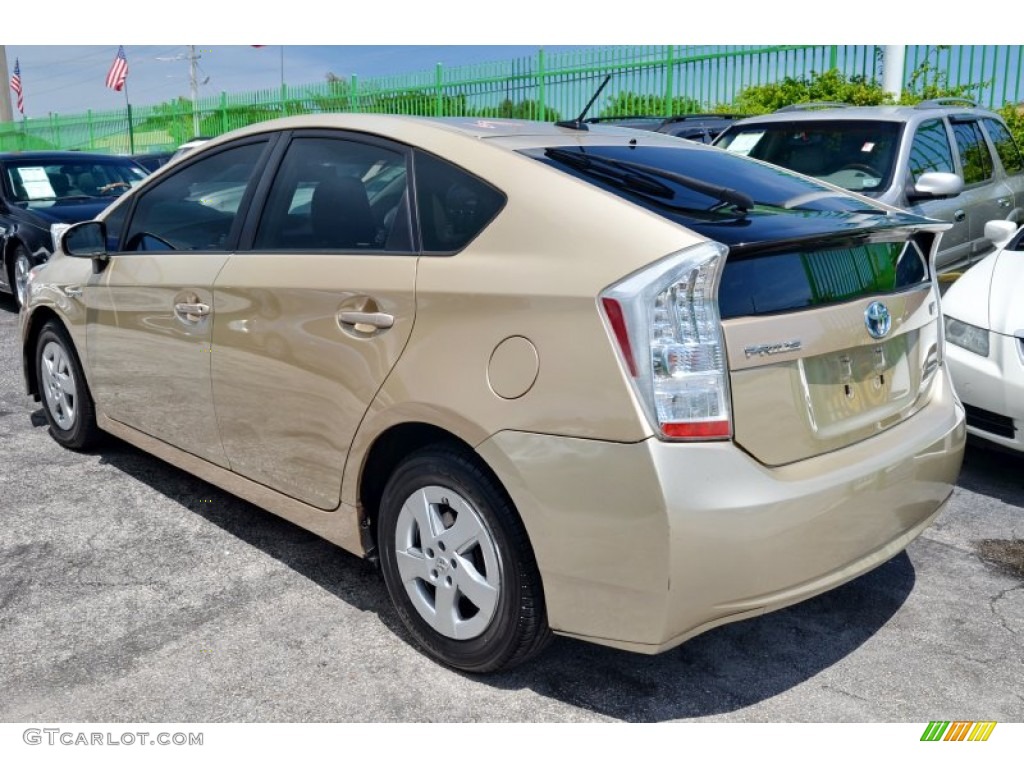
66	79
62	75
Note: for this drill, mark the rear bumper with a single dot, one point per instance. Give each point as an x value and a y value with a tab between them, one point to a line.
642	546
994	384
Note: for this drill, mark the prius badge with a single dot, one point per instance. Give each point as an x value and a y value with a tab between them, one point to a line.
877	319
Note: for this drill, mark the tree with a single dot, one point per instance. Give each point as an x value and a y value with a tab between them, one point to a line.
627	104
828	86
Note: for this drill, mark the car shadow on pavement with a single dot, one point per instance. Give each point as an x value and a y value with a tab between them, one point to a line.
993	472
728	668
724	670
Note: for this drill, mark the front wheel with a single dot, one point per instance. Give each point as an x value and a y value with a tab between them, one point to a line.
21	265
67	403
458	565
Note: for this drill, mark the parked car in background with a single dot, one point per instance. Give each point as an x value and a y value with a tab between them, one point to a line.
701	127
554	380
984	318
152	160
188	146
945	159
41	189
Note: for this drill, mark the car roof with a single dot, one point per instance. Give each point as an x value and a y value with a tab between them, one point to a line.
508	133
58	155
891	113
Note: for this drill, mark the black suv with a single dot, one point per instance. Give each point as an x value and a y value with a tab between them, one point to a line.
703	127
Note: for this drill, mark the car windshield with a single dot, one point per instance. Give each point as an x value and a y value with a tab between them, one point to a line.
41	180
858	155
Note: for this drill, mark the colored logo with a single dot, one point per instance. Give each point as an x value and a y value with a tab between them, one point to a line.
877	319
961	730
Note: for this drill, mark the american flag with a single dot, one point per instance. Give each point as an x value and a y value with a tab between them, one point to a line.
16	86
118	70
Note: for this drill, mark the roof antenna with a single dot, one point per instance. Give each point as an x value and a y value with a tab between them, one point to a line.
578	124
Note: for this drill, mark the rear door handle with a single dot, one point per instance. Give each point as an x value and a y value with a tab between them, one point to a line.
959	215
368	320
193	312
1004	202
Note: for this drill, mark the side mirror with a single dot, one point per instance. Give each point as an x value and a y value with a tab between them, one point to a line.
1000	231
937	184
86	240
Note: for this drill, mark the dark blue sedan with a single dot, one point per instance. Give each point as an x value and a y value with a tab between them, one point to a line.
41	189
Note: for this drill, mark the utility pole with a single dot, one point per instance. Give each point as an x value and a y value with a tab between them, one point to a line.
6	113
893	60
193	85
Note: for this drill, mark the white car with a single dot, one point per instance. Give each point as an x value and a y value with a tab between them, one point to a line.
984	320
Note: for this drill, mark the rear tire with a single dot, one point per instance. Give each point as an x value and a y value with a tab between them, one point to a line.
458	564
67	403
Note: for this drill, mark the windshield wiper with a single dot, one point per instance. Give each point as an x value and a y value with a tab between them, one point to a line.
641	175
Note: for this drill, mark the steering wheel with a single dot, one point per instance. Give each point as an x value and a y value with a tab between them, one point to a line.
863	168
112	186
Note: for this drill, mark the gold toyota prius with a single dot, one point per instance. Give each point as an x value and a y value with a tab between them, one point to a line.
595	382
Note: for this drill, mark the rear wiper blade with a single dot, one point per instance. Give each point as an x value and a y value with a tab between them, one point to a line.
613	173
739	200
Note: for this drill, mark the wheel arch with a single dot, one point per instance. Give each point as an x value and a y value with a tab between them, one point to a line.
388	451
33	326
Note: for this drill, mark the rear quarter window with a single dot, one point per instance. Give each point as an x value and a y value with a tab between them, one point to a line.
454	206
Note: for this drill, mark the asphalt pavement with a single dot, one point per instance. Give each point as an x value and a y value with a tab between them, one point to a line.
132	592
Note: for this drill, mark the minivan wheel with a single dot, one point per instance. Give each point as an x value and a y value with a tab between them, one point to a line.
67	403
458	565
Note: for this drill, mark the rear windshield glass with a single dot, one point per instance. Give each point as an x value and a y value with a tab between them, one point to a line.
858	155
631	171
794	280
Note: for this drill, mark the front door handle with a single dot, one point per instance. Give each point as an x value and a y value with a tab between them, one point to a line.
366	322
1004	202
192	312
959	215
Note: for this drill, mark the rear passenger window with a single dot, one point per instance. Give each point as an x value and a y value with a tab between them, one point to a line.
930	151
337	194
974	155
196	208
1006	148
454	206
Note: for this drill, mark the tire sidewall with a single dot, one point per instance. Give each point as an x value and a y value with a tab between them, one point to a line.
76	435
498	641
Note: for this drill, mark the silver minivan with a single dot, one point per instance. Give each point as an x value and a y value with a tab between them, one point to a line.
943	158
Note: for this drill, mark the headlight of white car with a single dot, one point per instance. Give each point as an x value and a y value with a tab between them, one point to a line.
970	337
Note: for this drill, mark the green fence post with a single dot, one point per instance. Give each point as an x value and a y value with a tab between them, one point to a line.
88	119
439	81
669	75
223	112
541	77
833	57
131	132
354	97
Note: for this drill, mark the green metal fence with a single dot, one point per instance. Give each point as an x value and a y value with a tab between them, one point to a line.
647	79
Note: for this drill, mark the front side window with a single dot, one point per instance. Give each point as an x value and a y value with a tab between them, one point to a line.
1006	148
931	151
974	156
337	194
196	208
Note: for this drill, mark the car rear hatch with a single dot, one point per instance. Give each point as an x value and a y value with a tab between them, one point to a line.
829	341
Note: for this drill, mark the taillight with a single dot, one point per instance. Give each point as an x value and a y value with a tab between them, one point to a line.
665	322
